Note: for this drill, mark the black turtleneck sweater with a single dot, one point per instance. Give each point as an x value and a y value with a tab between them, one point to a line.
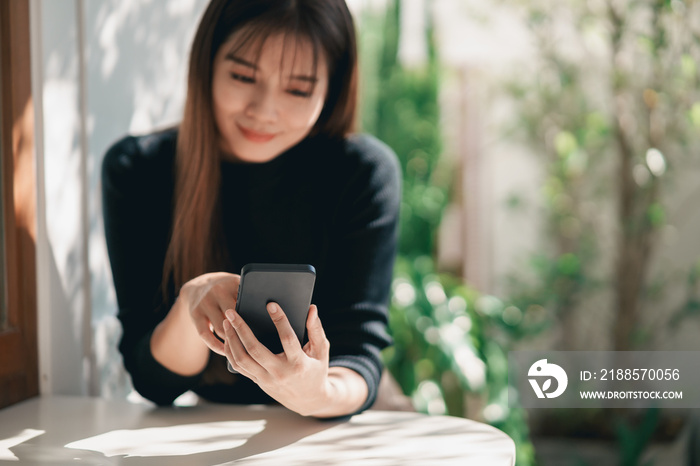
333	205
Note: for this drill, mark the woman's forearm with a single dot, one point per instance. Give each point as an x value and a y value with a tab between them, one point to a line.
176	344
348	393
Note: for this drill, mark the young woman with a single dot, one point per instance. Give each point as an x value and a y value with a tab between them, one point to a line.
262	168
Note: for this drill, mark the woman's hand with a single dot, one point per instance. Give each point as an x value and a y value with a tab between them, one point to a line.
299	377
206	297
181	342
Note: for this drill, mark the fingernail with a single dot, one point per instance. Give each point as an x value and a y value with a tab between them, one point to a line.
230	315
272	307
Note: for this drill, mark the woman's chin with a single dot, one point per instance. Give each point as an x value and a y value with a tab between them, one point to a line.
249	156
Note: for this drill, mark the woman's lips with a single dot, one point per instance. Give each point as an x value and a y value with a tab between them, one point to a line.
255	136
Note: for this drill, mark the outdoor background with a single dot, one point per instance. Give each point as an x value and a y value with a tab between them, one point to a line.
550	154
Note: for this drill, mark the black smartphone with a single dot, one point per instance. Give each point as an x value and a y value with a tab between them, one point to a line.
289	285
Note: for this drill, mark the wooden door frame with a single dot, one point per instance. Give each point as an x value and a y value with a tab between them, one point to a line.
19	377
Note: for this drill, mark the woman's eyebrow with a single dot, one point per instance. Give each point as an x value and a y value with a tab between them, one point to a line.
299	77
246	63
240	61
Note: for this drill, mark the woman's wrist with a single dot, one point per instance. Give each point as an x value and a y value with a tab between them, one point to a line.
175	343
345	393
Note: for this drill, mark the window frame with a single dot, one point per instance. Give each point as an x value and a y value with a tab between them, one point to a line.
19	373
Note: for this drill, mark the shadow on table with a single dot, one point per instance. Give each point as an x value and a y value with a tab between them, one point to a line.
182	436
260	436
382	438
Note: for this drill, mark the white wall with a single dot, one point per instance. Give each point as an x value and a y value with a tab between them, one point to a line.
480	43
101	69
61	253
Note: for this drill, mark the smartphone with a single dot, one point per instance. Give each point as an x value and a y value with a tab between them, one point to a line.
289	285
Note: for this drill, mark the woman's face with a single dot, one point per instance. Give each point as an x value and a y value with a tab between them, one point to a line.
264	106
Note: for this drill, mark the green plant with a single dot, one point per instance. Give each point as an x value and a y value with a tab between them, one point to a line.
691	307
612	108
633	439
449	346
450	350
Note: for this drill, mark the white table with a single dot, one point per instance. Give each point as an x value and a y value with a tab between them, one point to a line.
92	431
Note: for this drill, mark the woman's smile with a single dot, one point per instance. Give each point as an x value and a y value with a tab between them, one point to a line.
255	136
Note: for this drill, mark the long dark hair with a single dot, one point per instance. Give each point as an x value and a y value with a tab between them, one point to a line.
196	245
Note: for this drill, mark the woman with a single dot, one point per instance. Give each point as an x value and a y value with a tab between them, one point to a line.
262	168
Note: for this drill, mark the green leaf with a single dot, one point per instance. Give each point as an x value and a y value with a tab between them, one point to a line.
688	67
656	214
565	143
695	114
568	264
646	44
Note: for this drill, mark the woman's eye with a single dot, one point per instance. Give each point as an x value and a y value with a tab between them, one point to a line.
242	78
298	93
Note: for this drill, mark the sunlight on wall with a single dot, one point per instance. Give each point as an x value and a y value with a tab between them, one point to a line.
63	190
63	307
136	63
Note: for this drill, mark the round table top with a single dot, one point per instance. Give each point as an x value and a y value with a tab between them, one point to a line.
60	430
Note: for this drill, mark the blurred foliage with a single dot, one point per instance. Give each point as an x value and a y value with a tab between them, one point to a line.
691	307
450	349
611	105
633	439
450	343
400	107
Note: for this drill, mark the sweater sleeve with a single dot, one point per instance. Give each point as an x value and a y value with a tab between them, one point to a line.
361	259
136	193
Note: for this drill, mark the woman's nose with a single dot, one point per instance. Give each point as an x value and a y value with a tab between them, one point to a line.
262	105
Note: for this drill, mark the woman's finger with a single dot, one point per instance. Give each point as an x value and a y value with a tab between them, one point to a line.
289	339
217	317
221	296
237	355
201	323
227	351
317	336
255	350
